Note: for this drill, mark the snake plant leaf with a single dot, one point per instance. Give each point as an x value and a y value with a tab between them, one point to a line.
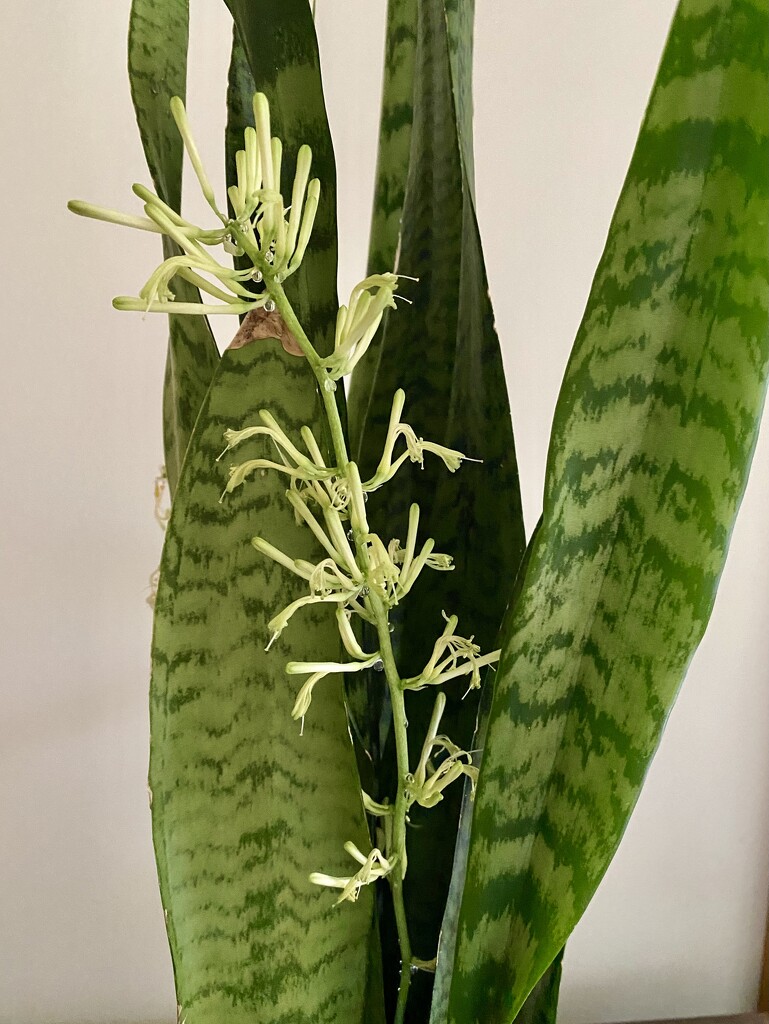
394	137
240	115
367	700
240	108
652	441
244	806
157	68
542	1002
444	351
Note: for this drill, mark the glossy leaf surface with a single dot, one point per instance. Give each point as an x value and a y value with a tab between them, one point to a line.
652	441
157	67
244	806
445	353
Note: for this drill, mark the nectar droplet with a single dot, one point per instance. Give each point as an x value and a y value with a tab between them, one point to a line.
269	306
379	666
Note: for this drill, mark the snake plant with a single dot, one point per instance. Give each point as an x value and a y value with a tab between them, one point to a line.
393	746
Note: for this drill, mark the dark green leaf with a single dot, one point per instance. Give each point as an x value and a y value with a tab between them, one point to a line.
541	1006
368	702
240	107
444	352
460	19
652	441
244	806
157	67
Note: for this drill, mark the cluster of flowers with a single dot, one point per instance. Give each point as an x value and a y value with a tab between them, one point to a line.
360	575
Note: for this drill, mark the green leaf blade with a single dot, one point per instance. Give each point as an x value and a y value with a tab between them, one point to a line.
394	135
652	441
444	351
244	806
157	67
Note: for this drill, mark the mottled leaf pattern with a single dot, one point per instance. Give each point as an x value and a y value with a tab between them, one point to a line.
444	352
244	807
542	1002
394	140
653	436
157	66
460	19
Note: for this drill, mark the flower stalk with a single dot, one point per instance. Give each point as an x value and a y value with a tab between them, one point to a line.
360	575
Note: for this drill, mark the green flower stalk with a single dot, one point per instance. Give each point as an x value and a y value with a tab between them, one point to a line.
361	575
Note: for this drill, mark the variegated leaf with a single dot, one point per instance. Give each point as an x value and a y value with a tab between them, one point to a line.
652	441
157	67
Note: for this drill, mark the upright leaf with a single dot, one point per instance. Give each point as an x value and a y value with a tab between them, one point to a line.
444	352
542	1002
157	67
394	141
244	806
240	107
460	24
541	1005
652	441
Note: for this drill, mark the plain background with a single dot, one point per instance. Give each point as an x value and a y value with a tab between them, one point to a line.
676	928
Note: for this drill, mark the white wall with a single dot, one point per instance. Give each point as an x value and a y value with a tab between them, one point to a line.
676	927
